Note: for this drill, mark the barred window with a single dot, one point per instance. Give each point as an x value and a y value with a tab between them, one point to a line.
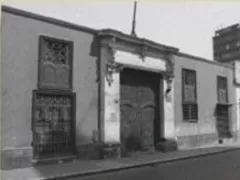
190	106
190	112
222	90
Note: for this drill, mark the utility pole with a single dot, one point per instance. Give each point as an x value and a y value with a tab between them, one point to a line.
133	33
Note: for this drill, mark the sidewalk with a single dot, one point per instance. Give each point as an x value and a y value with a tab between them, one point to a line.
87	167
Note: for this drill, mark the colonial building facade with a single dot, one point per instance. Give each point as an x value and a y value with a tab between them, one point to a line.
72	92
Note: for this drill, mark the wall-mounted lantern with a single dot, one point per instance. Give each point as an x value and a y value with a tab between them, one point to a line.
169	79
112	67
169	74
169	84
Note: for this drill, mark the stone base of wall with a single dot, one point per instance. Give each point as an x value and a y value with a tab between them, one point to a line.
203	139
16	158
196	140
236	135
98	151
111	151
89	151
23	157
167	145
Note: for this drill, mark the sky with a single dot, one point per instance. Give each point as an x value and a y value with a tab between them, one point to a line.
187	25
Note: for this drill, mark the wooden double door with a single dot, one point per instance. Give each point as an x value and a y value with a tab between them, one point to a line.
140	117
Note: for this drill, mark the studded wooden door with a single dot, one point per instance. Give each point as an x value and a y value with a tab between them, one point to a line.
139	97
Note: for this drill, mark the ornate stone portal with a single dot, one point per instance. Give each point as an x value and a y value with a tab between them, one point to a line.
120	54
112	67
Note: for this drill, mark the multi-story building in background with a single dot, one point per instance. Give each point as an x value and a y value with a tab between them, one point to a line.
226	44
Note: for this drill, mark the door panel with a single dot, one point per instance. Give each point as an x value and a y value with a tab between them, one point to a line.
147	127
130	130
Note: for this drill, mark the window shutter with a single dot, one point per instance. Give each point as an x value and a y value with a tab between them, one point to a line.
222	89
189	93
190	112
222	96
55	64
190	107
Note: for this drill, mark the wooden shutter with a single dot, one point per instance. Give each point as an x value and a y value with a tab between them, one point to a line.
189	86
55	64
190	107
222	89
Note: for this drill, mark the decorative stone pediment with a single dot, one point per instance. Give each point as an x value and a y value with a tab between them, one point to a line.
116	41
112	67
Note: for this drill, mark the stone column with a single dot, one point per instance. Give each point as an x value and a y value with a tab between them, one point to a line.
169	120
112	110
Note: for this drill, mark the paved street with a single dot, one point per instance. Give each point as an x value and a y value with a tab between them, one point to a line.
224	166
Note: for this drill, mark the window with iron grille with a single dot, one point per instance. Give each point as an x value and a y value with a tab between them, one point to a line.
222	90
189	96
53	124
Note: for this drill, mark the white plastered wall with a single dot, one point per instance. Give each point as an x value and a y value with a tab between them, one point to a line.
237	111
237	78
112	97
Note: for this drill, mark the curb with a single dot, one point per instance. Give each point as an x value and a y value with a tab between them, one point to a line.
142	164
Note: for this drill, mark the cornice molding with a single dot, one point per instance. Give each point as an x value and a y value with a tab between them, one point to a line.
50	20
106	34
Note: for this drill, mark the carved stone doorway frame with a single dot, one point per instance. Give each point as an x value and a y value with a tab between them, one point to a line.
114	56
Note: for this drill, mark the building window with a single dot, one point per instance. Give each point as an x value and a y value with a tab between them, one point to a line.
222	116
53	124
55	64
222	90
54	103
190	106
